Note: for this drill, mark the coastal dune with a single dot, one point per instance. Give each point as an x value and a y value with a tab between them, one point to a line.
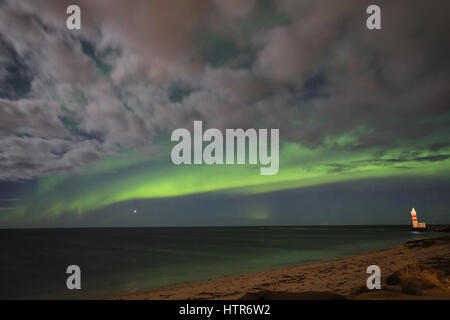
416	270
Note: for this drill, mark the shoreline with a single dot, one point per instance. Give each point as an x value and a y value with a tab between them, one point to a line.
423	267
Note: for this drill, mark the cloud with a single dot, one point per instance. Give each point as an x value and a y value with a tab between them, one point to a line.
136	72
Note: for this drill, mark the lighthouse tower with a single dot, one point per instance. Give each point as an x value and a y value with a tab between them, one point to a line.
415	222
414	218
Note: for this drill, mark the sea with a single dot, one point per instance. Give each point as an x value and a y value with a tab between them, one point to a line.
116	261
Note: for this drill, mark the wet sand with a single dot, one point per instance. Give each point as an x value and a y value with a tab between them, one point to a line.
416	270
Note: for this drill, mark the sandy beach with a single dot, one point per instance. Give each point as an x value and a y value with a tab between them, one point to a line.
416	270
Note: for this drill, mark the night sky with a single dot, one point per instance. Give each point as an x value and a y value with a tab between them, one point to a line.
86	115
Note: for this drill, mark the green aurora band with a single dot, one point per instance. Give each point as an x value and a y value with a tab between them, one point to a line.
132	176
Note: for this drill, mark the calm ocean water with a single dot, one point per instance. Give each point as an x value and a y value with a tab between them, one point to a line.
114	261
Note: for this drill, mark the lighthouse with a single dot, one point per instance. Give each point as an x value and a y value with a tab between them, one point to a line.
416	224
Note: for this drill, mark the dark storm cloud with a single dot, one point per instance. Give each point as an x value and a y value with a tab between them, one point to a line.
137	71
339	167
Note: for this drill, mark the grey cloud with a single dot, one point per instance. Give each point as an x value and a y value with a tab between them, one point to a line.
32	117
339	167
26	158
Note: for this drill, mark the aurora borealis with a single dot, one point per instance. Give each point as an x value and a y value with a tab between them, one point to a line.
86	116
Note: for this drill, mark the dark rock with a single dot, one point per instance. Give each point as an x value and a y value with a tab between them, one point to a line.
394	279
